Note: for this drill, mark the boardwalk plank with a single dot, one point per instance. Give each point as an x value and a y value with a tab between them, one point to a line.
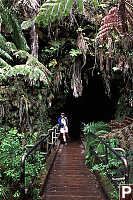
69	178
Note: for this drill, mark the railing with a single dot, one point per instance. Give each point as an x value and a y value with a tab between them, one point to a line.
119	156
48	141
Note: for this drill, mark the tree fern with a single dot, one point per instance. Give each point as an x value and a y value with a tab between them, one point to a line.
34	74
32	69
52	10
118	19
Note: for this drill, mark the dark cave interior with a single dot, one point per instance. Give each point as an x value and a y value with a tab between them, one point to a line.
93	105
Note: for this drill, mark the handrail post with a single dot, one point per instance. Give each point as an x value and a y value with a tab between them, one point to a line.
126	170
52	136
124	160
106	154
23	177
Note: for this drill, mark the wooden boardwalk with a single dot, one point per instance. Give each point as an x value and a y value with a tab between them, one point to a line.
69	178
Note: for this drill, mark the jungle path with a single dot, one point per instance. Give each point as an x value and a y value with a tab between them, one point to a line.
69	178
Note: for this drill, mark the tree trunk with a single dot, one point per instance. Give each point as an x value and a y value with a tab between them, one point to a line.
0	23
34	43
34	34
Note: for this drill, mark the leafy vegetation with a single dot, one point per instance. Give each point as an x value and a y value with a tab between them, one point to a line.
11	151
95	153
98	128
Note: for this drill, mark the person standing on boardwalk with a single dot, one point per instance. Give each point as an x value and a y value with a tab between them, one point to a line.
63	125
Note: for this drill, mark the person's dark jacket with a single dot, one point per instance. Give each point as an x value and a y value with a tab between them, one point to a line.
61	125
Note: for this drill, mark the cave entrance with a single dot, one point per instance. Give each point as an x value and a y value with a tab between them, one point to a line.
93	105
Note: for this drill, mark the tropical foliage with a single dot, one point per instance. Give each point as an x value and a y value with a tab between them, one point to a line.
108	165
11	152
98	128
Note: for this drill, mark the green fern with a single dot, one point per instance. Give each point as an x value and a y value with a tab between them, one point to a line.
27	24
80	6
95	3
52	10
5	55
2	39
6	52
91	142
17	34
34	74
32	69
3	63
98	128
57	9
10	47
11	21
22	54
31	61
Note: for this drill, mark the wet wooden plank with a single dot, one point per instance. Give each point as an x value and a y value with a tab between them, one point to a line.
69	178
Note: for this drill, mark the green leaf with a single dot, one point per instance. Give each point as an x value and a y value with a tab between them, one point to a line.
115	69
80	6
95	2
27	24
4	63
75	52
4	54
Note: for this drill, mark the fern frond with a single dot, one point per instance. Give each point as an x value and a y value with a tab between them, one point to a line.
4	54
6	16
33	68
80	6
10	19
3	63
34	74
2	39
118	19
10	47
27	24
95	2
98	127
52	10
31	61
21	54
6	49
17	34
